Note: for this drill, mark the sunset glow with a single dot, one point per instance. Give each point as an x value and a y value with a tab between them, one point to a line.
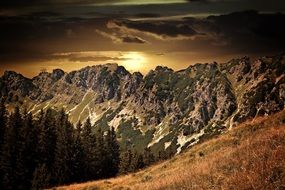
134	61
138	35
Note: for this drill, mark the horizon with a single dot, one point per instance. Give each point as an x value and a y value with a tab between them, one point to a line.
127	67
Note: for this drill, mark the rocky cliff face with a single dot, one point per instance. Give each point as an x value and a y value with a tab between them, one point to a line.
165	110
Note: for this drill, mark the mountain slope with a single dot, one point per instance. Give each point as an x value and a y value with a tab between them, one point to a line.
165	110
250	156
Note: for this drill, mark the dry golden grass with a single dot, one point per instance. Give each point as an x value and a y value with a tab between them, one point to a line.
251	156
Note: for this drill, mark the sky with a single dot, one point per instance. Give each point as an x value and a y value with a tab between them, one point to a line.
41	35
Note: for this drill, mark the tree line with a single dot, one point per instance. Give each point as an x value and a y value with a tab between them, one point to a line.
47	150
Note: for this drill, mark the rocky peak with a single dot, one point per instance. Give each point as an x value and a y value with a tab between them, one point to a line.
137	75
16	86
111	66
162	69
57	74
11	75
121	71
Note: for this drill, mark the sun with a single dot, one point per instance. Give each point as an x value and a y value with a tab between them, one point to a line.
133	61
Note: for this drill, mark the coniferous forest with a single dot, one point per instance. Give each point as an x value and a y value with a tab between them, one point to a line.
46	150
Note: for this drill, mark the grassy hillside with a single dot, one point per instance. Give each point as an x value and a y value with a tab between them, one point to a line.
250	156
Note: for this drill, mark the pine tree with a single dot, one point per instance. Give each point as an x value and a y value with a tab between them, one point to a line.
112	156
148	157
162	155
38	127
3	123
25	154
62	168
41	178
101	155
78	155
126	162
137	162
47	140
30	135
11	151
48	151
89	146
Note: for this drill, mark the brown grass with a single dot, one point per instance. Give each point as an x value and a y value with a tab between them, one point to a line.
251	156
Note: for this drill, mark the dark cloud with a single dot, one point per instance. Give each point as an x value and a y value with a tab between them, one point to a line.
29	36
234	1
159	29
9	3
142	8
132	39
35	38
18	3
240	31
122	38
247	30
147	15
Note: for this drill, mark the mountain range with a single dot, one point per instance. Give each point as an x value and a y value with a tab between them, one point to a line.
165	110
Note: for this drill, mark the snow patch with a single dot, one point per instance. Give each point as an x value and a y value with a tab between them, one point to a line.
156	140
125	113
159	133
115	122
182	140
167	144
93	116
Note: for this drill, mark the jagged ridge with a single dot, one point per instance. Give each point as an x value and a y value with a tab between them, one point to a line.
165	110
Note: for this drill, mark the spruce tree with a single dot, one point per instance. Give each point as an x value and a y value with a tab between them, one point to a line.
62	169
11	151
78	155
3	123
47	140
47	151
112	156
89	146
126	162
24	157
162	155
101	154
148	157
137	162
30	134
41	178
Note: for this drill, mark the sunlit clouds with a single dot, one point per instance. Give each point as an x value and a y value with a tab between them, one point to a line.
139	35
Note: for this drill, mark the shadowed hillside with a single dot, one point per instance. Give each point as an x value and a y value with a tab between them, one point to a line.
250	156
